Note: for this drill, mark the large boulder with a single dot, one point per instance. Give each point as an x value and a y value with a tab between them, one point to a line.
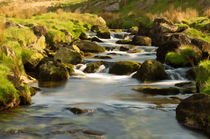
87	46
104	34
124	67
52	71
93	67
66	55
194	112
142	40
151	70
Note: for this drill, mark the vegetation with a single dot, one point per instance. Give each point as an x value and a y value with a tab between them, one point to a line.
203	76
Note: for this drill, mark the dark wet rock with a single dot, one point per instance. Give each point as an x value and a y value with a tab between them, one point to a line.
111	48
40	30
87	46
115	54
142	40
124	42
157	90
96	39
77	110
104	35
119	36
203	46
83	36
124	48
169	46
151	70
191	74
184	84
94	133
52	71
102	57
93	67
95	28
69	56
124	67
194	112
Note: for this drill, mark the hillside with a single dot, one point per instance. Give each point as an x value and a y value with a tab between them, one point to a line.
128	13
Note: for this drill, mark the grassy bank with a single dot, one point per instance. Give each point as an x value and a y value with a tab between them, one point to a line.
19	45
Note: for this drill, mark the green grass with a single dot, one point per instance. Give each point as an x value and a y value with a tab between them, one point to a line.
198	34
203	76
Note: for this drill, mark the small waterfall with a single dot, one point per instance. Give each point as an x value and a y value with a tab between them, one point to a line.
177	74
100	69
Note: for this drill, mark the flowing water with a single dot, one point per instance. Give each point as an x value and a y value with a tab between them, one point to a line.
115	110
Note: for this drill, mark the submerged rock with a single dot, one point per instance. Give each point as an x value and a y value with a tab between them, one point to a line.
96	39
76	110
124	67
87	46
157	90
151	70
93	67
194	112
102	57
124	42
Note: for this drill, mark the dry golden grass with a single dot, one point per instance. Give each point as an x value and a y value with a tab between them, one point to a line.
176	15
2	28
26	8
207	12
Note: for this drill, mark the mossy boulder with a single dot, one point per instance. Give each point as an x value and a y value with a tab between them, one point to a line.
151	70
124	67
142	40
194	112
157	91
69	56
93	67
87	46
52	71
104	34
124	42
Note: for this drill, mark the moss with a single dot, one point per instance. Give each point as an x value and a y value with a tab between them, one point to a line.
124	67
7	89
175	59
197	34
54	37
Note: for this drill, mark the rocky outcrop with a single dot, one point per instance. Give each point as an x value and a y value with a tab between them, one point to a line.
124	67
69	56
194	112
151	70
87	46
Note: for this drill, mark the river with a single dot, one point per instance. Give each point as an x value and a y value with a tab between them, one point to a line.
115	110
